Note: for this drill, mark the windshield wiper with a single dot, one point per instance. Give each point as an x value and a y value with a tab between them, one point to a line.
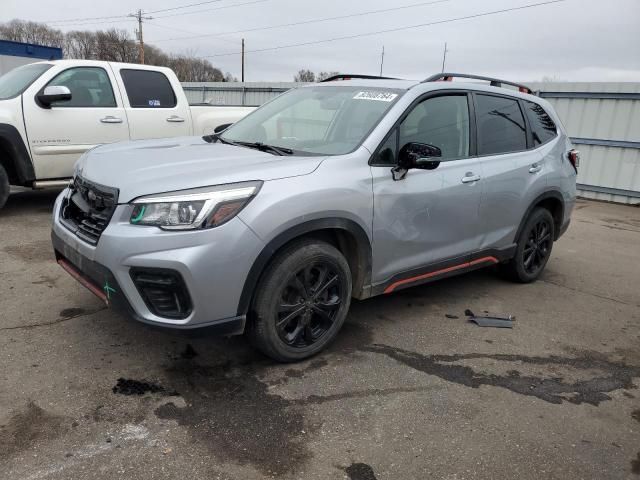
263	147
215	137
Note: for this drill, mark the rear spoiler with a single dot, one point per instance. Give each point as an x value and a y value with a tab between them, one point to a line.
494	82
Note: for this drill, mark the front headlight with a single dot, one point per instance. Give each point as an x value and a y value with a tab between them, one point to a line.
198	208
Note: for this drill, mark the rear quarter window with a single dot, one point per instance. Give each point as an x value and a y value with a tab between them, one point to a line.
148	89
543	128
501	127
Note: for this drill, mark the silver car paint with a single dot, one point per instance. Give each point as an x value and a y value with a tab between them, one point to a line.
427	217
156	166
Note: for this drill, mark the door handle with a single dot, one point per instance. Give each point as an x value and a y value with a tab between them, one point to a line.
111	119
470	178
175	119
535	168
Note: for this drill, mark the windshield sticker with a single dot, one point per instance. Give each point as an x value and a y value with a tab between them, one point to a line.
154	103
377	96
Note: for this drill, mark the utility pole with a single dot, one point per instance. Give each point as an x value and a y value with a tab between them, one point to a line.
444	56
382	60
243	59
138	16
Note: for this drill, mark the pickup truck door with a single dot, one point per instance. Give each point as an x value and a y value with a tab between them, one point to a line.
156	104
60	134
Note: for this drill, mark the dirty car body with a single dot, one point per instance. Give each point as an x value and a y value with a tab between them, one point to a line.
370	185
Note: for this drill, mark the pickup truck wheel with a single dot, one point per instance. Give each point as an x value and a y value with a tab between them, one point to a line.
534	248
4	186
302	301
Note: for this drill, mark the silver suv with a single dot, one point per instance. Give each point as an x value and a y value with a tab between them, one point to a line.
354	187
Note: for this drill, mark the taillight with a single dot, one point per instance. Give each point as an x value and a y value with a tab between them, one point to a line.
574	158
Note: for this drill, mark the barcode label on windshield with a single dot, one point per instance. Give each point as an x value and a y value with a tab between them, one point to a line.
377	96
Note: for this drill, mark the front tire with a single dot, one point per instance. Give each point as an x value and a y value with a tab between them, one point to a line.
534	248
301	302
4	186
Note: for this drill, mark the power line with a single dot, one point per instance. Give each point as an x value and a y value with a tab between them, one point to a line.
154	24
83	19
390	30
213	9
125	19
185	6
306	22
89	20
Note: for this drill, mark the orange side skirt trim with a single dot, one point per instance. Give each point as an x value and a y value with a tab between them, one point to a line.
395	285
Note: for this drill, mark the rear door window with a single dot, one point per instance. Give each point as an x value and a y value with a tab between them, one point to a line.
501	127
148	89
543	128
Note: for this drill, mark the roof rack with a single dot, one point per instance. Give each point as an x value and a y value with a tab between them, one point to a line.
347	76
495	82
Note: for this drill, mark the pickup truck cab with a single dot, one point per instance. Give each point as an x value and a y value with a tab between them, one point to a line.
52	112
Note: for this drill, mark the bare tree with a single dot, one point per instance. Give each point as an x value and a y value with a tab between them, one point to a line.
324	75
31	32
78	44
304	76
112	45
115	46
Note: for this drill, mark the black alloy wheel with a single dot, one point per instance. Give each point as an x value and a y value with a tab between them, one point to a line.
533	248
309	302
538	247
301	301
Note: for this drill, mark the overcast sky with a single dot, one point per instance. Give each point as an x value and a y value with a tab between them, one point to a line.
578	40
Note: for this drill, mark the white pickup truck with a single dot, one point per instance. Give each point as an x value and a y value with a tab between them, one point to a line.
52	112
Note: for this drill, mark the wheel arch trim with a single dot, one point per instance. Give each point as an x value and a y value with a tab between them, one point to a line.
549	194
301	229
11	141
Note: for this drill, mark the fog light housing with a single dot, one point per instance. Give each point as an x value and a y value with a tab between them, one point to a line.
164	292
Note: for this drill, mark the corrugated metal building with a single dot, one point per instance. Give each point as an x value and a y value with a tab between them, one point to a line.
15	54
236	93
603	120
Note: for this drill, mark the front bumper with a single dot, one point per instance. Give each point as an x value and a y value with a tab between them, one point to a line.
213	264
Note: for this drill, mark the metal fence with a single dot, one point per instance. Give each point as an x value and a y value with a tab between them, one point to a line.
603	119
236	93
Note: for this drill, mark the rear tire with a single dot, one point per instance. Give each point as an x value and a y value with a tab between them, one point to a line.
4	186
533	248
301	302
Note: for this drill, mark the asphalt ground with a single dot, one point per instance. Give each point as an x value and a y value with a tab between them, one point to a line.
406	391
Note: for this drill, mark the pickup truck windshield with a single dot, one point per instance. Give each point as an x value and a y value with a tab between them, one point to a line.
320	120
16	81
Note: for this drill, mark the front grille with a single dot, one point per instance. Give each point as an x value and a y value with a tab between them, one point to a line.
87	209
163	291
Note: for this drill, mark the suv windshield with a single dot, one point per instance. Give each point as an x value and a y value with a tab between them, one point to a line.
18	80
325	120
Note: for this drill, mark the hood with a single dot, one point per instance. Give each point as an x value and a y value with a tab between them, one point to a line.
157	166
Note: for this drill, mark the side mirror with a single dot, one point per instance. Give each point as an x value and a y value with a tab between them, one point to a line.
416	155
54	93
221	128
419	155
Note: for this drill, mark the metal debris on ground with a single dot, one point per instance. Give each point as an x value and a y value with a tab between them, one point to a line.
486	319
